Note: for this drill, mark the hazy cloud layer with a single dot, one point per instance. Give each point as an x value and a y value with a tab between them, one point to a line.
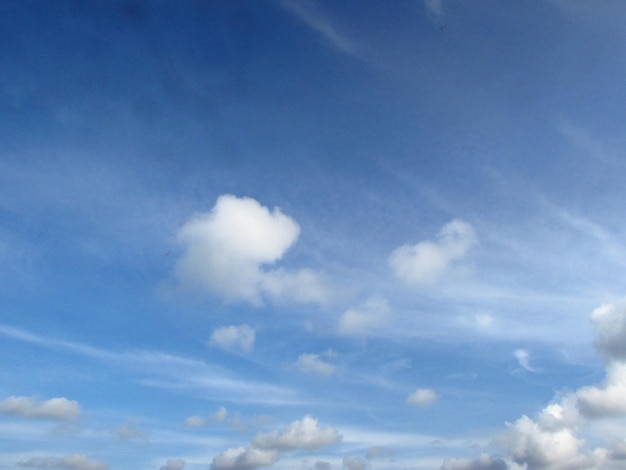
484	462
354	463
228	252
29	407
427	261
69	462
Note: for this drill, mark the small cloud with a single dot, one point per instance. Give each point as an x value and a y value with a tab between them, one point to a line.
362	320
321	465
523	358
354	463
229	249
128	431
303	434
422	397
69	462
233	338
313	363
173	464
427	261
483	462
244	459
28	407
198	421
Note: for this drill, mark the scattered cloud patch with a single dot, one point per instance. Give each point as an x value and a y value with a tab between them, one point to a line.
198	421
233	338
354	463
69	462
427	261
610	330
321	465
434	7
128	431
315	364
173	464
606	401
483	462
422	397
29	407
303	434
364	319
228	252
244	459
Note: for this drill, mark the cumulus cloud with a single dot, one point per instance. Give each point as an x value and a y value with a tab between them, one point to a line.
427	261
303	434
361	320
609	322
608	400
228	251
244	459
321	465
422	397
314	363
354	463
69	462
483	462
29	407
173	464
233	338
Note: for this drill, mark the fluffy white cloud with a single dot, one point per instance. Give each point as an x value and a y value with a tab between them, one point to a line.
29	407
173	464
303	434
427	261
229	249
422	397
313	363
69	462
354	463
610	330
233	337
483	462
608	400
244	459
372	314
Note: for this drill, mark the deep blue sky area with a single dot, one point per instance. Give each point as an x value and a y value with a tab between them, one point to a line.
312	235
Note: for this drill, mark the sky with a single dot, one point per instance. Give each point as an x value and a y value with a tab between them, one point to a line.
312	235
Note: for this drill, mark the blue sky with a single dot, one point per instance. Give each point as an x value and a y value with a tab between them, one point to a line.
312	235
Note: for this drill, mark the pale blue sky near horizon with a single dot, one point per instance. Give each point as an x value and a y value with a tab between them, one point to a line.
312	234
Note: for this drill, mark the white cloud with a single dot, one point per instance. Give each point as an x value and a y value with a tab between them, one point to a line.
427	261
354	463
173	464
610	330
361	320
69	462
314	363
483	462
523	357
233	337
228	252
303	434
244	459
29	407
609	400
321	465
422	397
